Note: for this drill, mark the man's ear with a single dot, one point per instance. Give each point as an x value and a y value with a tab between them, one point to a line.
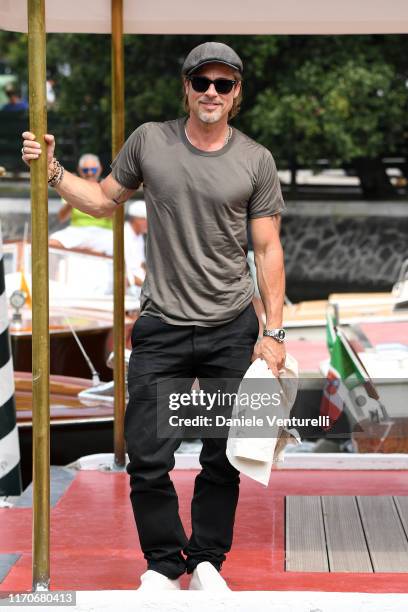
186	82
237	89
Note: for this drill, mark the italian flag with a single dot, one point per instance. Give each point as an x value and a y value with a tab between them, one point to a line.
348	384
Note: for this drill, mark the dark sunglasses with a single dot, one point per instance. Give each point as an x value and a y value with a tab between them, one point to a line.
93	170
201	84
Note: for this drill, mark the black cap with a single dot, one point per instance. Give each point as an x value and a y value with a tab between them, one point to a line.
211	52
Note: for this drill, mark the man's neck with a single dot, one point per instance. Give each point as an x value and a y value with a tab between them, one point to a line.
207	136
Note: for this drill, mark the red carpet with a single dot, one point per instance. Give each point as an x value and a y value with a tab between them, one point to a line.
94	542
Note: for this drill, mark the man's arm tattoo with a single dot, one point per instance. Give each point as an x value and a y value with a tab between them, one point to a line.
122	191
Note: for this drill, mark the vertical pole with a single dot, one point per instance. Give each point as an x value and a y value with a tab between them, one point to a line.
118	132
40	320
10	470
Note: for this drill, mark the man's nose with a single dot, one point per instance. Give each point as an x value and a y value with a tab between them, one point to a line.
211	91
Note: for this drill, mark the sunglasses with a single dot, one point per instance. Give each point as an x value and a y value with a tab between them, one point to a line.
201	84
93	170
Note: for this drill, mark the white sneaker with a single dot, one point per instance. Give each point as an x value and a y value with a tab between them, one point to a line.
154	581
206	577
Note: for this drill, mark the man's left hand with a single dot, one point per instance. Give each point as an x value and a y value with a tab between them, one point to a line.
272	351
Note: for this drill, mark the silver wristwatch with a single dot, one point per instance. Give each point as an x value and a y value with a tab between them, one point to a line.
278	334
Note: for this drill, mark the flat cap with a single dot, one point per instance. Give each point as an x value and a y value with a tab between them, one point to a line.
210	52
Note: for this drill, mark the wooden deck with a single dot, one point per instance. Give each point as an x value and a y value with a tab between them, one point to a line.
346	533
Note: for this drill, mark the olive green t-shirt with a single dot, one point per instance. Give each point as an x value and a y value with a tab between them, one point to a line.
198	204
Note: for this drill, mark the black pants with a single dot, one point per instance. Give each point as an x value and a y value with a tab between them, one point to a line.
162	352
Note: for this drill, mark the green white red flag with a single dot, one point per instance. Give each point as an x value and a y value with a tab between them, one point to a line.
346	378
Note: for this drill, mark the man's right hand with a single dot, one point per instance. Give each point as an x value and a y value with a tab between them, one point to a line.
95	199
32	149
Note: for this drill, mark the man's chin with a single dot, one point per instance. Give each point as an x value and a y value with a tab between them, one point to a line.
206	117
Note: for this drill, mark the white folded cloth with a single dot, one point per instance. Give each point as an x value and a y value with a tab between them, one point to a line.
254	457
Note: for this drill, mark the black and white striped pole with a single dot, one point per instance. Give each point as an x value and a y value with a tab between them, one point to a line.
10	471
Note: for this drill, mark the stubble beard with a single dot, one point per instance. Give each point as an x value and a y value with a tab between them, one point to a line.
209	117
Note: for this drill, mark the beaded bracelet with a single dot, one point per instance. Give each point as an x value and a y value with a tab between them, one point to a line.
50	176
57	173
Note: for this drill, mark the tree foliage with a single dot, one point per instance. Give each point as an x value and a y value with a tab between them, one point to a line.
305	97
348	111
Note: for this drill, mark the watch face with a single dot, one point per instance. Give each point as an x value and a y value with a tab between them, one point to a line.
281	334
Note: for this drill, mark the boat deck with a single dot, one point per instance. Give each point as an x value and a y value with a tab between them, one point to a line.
309	530
346	533
310	349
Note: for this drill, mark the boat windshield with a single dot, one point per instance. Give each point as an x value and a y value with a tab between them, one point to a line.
73	275
69	270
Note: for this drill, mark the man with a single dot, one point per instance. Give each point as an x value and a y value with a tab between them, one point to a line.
134	231
202	180
84	231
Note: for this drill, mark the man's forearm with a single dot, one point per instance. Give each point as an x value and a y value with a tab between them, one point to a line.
270	273
87	196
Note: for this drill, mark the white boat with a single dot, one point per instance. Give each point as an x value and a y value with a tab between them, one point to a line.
76	278
309	317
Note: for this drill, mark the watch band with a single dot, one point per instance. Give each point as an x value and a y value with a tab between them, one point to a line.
277	334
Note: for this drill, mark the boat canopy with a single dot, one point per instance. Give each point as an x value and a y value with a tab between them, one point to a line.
214	17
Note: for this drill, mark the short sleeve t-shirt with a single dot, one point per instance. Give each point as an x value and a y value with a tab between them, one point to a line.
198	205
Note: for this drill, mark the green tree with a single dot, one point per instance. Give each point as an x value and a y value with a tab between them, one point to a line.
351	112
342	98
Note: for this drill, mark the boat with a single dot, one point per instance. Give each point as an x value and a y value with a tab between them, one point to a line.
77	427
376	321
81	309
371	387
77	277
351	308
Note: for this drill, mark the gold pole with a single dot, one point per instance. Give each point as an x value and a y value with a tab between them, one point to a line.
40	320
118	133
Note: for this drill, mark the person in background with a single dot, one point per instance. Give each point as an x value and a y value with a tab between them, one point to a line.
16	102
135	229
84	231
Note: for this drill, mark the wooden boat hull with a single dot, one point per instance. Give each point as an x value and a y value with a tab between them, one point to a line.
382	437
65	355
95	331
76	429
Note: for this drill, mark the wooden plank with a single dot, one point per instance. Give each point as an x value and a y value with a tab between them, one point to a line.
346	543
345	461
384	532
305	538
401	502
